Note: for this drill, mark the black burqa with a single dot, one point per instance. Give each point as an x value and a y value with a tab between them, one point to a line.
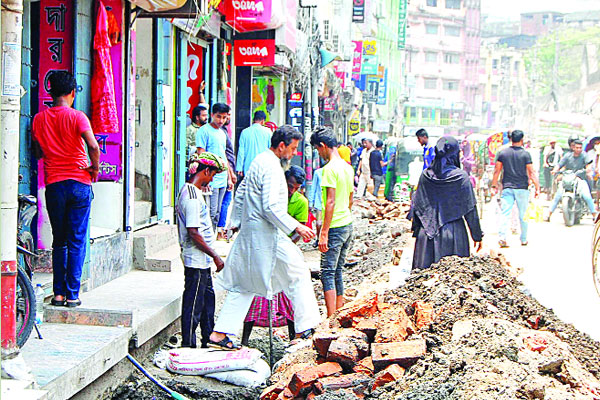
443	201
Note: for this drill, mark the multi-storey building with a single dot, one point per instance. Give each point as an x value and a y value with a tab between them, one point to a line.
540	23
442	59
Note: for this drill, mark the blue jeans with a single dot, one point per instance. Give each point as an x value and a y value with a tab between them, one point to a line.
508	199
584	192
224	209
333	261
68	203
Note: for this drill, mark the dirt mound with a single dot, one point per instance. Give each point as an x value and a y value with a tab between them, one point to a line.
461	329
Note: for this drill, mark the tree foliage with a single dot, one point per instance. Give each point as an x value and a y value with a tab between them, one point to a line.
539	60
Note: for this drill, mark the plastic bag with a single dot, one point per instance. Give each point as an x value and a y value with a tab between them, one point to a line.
187	361
534	212
255	376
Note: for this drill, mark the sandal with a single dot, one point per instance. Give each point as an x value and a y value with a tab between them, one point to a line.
502	244
223	344
58	303
73	303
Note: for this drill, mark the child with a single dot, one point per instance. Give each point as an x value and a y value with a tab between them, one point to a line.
196	237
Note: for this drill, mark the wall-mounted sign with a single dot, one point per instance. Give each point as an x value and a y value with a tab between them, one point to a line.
354	124
369	65
402	25
295	115
356	59
382	95
372	90
296	97
254	52
370	47
254	15
358	11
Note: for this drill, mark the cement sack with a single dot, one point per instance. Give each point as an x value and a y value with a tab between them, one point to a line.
187	361
256	376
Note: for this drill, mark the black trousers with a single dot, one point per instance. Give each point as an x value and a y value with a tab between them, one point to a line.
197	306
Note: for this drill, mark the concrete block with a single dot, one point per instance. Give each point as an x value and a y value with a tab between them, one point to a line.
85	316
164	260
403	353
149	241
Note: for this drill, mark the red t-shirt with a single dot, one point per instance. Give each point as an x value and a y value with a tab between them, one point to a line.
58	131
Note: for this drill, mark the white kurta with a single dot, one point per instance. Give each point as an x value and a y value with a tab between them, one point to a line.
263	260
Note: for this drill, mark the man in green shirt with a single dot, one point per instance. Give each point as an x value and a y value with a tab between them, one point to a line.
297	203
335	238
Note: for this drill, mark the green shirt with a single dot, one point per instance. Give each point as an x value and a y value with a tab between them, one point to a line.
298	207
338	174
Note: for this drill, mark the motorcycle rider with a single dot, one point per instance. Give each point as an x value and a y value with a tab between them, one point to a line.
574	161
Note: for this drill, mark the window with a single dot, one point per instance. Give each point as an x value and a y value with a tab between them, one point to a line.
326	31
451	58
451	85
335	42
413	112
545	20
431	57
431	29
432	3
517	66
453	4
452	31
494	92
495	64
430	83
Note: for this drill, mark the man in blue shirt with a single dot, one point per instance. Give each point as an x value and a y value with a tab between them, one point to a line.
253	140
212	138
428	150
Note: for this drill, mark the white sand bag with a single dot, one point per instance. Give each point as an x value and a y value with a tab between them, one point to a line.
187	361
256	376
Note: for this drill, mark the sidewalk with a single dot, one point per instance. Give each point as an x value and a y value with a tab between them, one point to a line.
81	344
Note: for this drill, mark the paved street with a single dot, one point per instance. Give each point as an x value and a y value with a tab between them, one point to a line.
557	267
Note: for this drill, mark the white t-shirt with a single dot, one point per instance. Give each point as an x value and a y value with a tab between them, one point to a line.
192	212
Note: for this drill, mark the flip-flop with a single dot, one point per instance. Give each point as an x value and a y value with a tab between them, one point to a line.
223	344
58	303
73	303
502	244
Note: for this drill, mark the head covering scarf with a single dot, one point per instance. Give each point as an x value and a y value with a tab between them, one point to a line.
444	193
206	158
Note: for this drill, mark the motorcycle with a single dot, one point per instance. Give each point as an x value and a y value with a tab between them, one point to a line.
573	206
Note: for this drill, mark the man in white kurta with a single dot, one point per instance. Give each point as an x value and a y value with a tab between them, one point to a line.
263	260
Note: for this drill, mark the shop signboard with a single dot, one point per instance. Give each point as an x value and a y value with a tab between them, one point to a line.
372	91
354	124
382	95
370	47
358	11
402	24
369	65
295	115
357	59
255	15
254	52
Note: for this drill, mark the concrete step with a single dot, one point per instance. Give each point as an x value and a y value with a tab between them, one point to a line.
21	390
164	260
142	212
150	241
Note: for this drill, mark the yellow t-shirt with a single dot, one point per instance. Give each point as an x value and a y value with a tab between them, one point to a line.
338	174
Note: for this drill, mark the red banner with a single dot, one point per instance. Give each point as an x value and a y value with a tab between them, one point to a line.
254	52
195	59
254	15
56	44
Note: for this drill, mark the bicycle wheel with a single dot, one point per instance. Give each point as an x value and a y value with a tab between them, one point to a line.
596	265
25	309
26	241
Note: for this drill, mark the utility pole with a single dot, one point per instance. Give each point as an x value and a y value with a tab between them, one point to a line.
555	71
10	78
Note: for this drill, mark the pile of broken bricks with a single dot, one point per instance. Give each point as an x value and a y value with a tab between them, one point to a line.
378	210
365	345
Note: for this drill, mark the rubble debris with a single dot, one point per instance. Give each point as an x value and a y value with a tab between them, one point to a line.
391	374
403	353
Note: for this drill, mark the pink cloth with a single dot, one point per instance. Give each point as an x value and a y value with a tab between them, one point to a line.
58	131
259	311
104	106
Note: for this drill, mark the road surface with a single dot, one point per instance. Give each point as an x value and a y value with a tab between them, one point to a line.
557	266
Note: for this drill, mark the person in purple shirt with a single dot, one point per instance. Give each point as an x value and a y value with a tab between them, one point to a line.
428	150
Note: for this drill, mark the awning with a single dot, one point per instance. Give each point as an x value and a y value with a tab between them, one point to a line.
176	8
160	5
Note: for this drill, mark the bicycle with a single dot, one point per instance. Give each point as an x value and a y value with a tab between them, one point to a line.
25	296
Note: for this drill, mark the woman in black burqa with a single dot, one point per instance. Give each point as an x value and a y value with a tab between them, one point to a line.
443	201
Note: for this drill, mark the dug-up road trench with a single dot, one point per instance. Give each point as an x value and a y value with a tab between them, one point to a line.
466	328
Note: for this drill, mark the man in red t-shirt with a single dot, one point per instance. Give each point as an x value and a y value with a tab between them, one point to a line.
60	136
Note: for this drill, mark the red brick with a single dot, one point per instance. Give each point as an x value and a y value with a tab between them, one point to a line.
357	309
423	314
394	326
341	382
271	392
364	366
403	353
305	378
311	396
360	340
343	351
391	374
368	327
286	395
322	340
